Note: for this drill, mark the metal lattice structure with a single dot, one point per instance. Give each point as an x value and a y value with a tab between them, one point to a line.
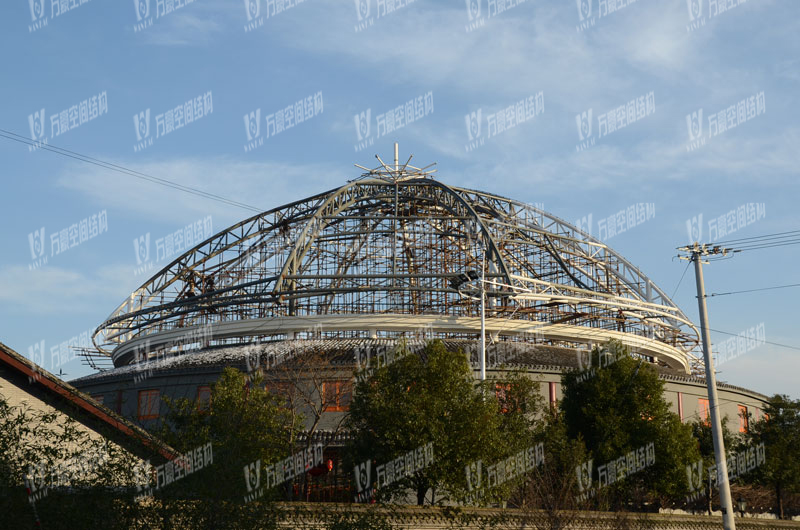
377	256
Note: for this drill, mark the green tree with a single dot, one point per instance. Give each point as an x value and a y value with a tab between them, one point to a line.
299	382
434	399
551	497
701	431
618	406
244	422
780	433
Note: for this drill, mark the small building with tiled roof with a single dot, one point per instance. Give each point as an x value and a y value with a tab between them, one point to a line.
25	384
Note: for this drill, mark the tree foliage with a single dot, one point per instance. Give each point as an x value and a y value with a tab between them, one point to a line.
780	433
550	498
618	406
54	472
244	422
433	398
703	435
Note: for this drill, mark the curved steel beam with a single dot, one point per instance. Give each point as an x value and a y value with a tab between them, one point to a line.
332	206
590	240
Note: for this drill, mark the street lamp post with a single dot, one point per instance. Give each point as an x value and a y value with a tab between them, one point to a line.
456	283
742	506
483	328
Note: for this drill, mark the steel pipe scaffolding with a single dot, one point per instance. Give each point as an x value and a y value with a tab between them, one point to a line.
377	256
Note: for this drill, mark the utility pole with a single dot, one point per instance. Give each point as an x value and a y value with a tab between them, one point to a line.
696	252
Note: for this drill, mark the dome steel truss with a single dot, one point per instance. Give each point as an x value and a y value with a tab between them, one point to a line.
377	256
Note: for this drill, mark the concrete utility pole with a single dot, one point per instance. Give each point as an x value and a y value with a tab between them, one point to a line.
695	253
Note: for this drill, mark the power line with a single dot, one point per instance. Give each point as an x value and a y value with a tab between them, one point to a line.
783	240
764	342
756	290
126	171
778	239
765	236
795	242
681	280
720	258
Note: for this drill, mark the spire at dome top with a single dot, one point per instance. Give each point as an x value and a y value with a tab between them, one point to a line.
397	172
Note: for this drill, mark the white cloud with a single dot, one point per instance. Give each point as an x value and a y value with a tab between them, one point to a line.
635	159
194	24
533	46
427	45
53	290
652	38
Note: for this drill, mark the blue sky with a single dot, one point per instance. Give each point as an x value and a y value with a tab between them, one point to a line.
358	57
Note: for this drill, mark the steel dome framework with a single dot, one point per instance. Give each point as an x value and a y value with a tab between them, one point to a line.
377	256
